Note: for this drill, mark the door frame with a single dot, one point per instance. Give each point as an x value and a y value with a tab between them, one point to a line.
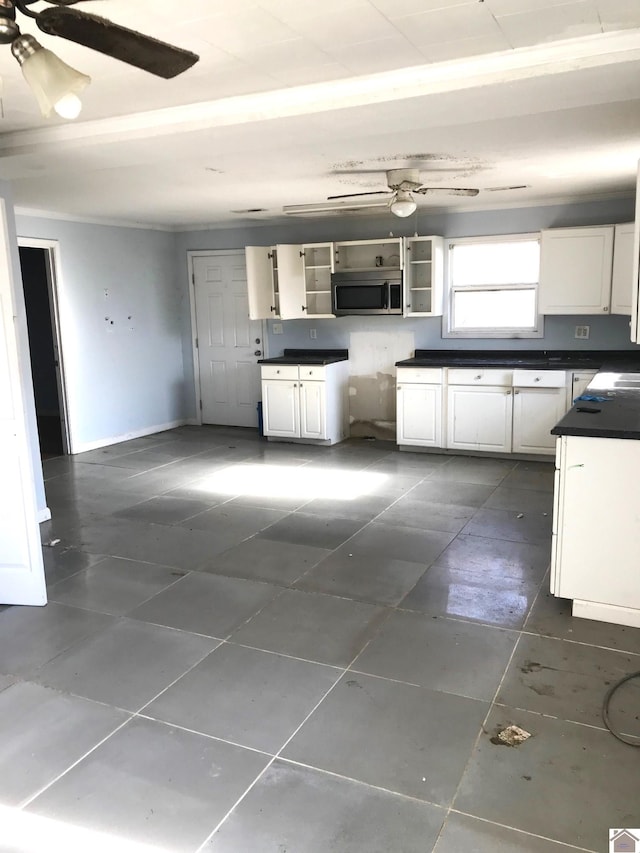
52	249
200	253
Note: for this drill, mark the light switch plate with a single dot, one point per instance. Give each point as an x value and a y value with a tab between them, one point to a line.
582	332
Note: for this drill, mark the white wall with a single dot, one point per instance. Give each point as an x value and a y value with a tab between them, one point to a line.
125	374
426	333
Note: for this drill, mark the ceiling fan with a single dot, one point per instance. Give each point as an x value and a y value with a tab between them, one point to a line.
402	184
54	83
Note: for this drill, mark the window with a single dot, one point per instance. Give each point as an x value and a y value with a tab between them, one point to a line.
493	288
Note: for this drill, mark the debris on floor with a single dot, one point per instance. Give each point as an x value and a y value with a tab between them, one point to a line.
51	543
511	736
520	515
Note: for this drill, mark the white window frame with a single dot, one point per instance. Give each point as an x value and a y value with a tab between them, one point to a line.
512	333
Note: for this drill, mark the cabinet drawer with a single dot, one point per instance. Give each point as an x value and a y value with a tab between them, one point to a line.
539	378
279	371
420	375
478	376
313	371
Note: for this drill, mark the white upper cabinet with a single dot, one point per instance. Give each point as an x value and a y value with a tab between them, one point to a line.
291	281
356	255
575	270
317	259
622	277
423	276
262	282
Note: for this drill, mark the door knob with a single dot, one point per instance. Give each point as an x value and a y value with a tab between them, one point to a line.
258	352
257	340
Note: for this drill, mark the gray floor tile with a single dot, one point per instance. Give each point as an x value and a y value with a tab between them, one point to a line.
409	512
207	604
42	733
267	560
321	531
252	698
569	780
411	464
462	833
233	524
551	617
164	509
421	754
452	492
304	811
478	595
365	577
62	563
528	501
537	476
312	626
31	636
442	654
364	508
472	469
153	784
515	526
153	543
125	665
498	557
569	680
114	585
400	543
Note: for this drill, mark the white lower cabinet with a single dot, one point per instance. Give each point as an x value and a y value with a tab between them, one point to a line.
485	410
308	404
419	407
596	528
479	418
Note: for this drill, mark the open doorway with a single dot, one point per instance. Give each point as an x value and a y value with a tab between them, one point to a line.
38	278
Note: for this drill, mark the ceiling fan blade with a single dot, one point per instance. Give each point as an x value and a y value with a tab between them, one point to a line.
355	195
449	190
149	54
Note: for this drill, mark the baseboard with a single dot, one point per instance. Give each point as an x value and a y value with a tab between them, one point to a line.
44	515
82	447
193	422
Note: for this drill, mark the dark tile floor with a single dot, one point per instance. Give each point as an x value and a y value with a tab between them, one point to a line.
269	647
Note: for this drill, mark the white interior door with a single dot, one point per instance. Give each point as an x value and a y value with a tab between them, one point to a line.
229	343
21	567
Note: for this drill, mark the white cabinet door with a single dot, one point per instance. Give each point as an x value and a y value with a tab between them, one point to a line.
622	278
579	382
479	418
280	408
575	270
423	277
291	281
535	412
313	408
260	283
419	415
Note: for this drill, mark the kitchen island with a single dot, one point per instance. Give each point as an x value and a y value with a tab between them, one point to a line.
596	516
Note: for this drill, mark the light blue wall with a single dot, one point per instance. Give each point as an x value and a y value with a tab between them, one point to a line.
124	376
606	332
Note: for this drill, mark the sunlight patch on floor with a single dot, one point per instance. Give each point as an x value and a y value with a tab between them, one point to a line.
283	481
22	832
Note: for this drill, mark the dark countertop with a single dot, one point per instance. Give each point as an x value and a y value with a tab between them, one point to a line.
619	416
307	356
535	359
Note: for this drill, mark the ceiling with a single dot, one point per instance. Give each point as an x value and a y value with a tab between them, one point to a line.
296	100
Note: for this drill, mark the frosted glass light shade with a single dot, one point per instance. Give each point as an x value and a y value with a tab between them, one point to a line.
403	204
54	83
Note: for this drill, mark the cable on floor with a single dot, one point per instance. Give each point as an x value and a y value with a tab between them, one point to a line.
605	710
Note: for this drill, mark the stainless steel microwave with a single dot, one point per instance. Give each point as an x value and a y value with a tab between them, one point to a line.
367	292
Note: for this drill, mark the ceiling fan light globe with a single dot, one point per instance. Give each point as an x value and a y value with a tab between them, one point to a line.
54	83
403	204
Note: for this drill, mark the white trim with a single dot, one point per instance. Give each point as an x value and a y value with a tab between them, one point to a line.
601	612
52	248
83	447
44	515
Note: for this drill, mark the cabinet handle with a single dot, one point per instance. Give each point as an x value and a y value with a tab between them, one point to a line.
294	385
479	376
605	308
537	379
515	392
304	307
273	308
399	388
